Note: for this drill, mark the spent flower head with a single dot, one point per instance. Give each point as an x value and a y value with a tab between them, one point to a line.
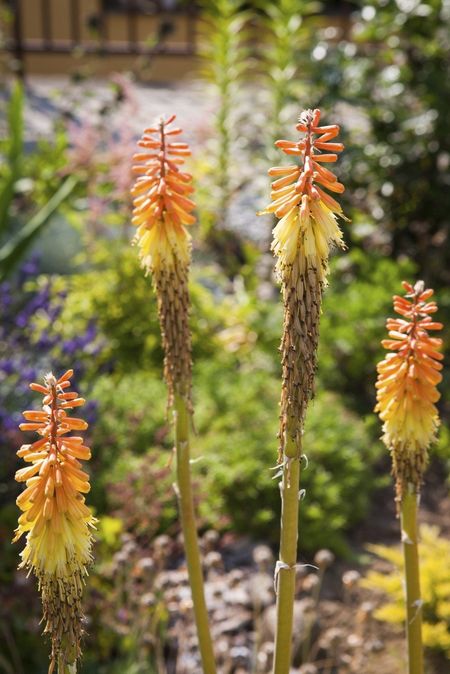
162	208
55	519
406	385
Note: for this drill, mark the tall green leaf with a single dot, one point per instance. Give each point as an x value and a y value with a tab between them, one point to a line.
13	250
14	151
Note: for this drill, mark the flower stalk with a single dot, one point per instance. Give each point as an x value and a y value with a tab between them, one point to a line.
408	520
162	210
406	397
286	581
306	231
188	523
55	519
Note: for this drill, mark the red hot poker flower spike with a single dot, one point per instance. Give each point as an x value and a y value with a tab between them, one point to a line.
162	207
55	519
407	384
307	226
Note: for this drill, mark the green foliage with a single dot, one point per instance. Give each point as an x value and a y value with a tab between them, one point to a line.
225	63
236	393
129	323
352	325
16	237
118	294
12	149
390	69
131	422
233	460
434	554
132	413
108	531
285	62
442	447
15	248
236	458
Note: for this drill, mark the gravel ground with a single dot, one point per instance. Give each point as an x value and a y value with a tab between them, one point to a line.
48	96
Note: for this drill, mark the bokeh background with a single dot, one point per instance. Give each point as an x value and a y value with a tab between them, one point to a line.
80	81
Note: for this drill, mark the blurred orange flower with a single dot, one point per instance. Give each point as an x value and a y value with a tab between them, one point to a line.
162	207
407	380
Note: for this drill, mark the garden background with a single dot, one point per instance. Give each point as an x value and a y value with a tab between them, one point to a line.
72	294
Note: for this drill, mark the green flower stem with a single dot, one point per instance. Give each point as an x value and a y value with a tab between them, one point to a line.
188	524
67	658
288	558
412	578
66	668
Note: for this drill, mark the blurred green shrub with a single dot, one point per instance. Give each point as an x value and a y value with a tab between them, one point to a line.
236	458
234	448
236	389
390	68
435	584
285	64
442	448
12	149
131	423
121	297
224	64
19	189
132	415
352	325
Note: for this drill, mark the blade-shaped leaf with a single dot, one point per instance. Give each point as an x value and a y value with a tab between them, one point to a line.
12	252
14	151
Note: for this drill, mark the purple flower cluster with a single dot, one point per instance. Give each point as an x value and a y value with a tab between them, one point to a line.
30	345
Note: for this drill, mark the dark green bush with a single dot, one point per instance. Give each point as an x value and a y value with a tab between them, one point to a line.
391	68
352	325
